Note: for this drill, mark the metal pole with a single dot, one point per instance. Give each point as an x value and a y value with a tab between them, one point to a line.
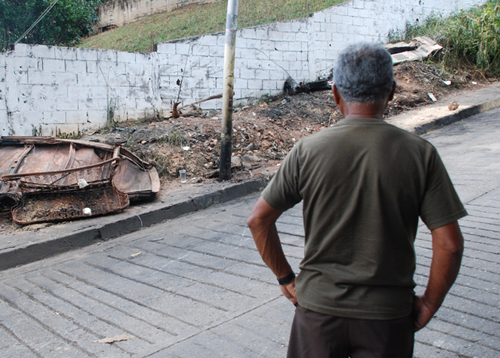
227	92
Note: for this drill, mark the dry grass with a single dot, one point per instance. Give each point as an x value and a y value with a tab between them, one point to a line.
196	20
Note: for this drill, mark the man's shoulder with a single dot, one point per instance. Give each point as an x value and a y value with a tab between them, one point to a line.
411	138
352	130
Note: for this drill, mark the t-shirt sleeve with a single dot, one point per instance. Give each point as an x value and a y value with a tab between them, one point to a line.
283	191
441	204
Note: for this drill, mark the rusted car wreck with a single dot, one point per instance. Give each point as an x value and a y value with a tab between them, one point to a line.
48	179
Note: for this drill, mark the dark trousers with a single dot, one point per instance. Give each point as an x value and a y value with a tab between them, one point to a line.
316	335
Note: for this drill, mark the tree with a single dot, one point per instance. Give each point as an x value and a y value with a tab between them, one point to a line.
65	24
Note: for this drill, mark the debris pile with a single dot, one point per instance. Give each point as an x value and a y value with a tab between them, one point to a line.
419	48
263	134
46	179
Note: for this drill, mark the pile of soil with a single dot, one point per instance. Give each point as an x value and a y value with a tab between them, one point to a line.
263	134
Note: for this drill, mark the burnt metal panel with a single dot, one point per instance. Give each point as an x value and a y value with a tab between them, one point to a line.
68	202
34	167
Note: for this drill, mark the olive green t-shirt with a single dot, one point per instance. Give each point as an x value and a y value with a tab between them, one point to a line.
364	184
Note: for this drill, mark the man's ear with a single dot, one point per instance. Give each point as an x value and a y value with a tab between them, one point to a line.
336	94
391	95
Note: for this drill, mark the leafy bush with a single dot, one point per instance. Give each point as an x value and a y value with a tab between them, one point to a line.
471	38
65	24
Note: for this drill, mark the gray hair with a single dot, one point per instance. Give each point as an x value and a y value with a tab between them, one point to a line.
363	73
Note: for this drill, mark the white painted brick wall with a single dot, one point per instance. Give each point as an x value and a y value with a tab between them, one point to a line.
75	66
53	117
56	89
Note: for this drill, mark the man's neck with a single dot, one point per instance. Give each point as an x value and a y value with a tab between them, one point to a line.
363	110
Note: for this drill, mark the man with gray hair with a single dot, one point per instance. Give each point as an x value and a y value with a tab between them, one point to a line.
364	184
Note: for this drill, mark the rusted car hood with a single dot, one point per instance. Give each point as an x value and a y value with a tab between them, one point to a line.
48	179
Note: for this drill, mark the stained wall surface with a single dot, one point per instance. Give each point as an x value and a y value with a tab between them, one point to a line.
44	90
121	12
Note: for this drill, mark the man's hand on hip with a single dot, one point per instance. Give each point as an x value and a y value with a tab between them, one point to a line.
289	292
422	313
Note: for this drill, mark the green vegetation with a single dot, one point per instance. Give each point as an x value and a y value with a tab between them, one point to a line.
266	98
471	38
73	135
195	20
65	24
162	164
174	138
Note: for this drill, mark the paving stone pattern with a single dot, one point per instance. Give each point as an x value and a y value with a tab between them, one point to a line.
196	287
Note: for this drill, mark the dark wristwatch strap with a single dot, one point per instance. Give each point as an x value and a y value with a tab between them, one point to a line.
287	279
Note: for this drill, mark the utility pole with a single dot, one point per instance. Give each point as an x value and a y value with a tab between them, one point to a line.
227	92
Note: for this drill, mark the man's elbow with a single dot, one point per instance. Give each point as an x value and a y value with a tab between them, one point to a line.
256	220
252	221
458	247
455	250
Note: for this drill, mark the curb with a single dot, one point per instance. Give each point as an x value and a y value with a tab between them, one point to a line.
455	117
43	250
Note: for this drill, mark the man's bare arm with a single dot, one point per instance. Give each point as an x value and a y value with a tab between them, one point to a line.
262	224
447	249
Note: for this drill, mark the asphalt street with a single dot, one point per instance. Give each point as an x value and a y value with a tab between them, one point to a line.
195	286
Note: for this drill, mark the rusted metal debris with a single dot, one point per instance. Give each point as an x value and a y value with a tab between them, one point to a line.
47	179
58	204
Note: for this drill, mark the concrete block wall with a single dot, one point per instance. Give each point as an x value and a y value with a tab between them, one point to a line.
4	129
368	20
58	89
44	90
265	57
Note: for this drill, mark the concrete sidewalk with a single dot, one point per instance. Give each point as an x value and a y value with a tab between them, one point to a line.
196	286
23	247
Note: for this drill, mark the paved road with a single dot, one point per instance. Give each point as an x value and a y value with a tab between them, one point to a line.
196	287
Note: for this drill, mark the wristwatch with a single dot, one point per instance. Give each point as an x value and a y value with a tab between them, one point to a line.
287	279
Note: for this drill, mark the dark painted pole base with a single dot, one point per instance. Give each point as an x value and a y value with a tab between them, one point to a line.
225	160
